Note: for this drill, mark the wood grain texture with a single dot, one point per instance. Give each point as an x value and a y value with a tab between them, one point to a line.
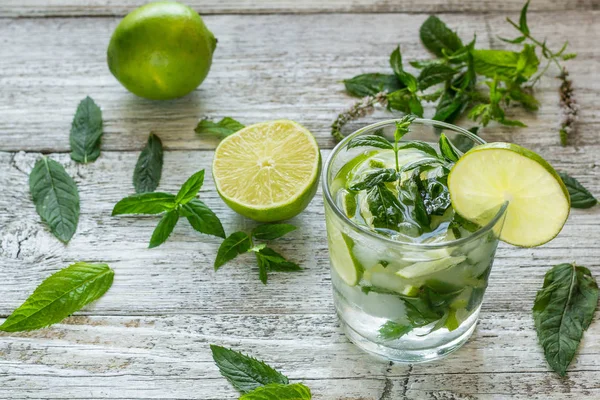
294	74
148	337
79	8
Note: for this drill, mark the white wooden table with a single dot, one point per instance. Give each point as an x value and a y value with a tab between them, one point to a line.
148	337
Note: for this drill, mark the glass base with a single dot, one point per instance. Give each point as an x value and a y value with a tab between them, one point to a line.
407	356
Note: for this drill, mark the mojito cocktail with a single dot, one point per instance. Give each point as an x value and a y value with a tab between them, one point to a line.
408	273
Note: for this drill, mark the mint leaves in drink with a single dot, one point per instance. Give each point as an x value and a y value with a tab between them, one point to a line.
464	80
184	204
254	379
60	295
580	196
562	311
267	259
220	129
148	168
56	197
405	204
86	132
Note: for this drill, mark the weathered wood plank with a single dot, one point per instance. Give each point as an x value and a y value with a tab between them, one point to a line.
168	356
71	8
294	74
178	277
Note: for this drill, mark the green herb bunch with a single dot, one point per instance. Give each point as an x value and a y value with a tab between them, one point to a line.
267	259
464	80
400	199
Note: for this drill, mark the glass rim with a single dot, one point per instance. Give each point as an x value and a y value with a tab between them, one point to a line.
341	215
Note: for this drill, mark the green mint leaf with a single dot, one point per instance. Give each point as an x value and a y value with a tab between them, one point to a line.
145	203
437	37
370	141
451	105
274	391
86	132
221	129
524	97
408	80
60	295
235	244
528	62
506	64
432	96
402	127
272	231
580	196
148	168
56	198
447	149
243	372
415	106
375	178
393	330
263	267
418	64
190	188
523	19
419	145
371	84
512	122
434	191
274	261
423	162
400	100
411	197
435	73
419	310
396	61
164	228
202	218
562	311
517	40
386	208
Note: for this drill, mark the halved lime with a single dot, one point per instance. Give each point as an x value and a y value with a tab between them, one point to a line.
268	171
342	258
489	175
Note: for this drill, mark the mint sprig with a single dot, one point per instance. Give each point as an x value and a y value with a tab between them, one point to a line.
480	83
184	204
221	129
267	259
254	379
60	295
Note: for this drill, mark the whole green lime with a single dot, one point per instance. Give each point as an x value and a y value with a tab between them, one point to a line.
161	51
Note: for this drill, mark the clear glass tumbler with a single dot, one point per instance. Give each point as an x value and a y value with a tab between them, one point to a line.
406	316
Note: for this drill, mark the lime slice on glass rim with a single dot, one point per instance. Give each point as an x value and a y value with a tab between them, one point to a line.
491	174
268	171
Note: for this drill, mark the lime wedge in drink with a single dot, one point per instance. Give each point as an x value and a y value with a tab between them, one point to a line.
268	171
489	175
342	258
424	268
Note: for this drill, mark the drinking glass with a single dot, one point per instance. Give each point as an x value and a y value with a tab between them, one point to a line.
406	317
